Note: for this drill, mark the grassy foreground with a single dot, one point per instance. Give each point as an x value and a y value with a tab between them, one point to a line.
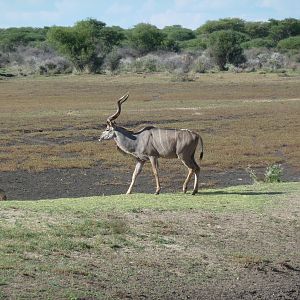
117	247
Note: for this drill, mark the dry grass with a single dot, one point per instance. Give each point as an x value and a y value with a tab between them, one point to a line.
243	118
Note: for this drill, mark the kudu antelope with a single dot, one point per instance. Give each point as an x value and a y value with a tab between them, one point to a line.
150	143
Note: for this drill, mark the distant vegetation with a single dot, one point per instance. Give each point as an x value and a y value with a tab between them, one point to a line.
91	46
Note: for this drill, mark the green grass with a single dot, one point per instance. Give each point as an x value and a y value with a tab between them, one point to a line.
103	247
233	198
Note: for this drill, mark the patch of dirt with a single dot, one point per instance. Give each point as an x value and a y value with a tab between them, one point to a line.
102	180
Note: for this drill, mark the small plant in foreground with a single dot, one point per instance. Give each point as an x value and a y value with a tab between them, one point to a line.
273	173
252	174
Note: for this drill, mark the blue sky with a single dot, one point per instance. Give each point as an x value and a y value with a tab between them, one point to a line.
188	13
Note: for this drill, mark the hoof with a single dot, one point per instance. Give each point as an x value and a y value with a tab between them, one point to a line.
184	191
194	192
156	193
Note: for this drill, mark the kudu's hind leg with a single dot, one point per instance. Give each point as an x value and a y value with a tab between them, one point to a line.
154	163
196	184
137	171
193	168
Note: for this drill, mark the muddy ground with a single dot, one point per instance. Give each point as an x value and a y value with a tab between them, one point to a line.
104	180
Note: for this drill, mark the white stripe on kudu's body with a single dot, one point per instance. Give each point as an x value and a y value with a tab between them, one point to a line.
150	143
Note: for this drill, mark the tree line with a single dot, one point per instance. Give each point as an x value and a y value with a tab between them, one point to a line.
89	42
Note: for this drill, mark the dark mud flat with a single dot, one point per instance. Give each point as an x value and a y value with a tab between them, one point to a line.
101	180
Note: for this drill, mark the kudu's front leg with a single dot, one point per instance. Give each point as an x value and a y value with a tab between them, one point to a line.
138	168
154	163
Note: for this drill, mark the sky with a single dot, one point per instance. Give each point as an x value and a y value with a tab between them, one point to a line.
127	13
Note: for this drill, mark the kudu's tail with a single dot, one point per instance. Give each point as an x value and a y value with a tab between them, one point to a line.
201	141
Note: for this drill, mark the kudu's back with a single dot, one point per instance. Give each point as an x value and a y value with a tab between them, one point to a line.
172	143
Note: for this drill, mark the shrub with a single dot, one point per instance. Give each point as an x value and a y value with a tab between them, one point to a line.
252	174
4	59
112	60
180	76
276	61
258	43
260	58
182	62
28	60
159	61
273	173
12	38
203	63
234	24
283	29
257	29
149	63
178	33
85	44
289	43
194	44
145	38
225	47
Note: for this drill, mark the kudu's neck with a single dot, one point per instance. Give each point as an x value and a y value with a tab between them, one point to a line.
125	139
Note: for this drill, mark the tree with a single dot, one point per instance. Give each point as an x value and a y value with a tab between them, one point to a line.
85	44
259	43
283	29
178	33
290	43
225	47
146	38
257	29
194	44
11	38
235	24
113	36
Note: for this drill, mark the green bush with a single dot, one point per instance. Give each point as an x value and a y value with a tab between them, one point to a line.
145	38
258	43
85	44
283	29
273	173
225	47
178	33
194	44
11	38
289	43
234	24
257	29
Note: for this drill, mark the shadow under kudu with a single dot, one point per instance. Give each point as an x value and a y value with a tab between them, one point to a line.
246	193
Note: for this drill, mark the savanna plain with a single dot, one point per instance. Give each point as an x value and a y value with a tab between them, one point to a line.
230	241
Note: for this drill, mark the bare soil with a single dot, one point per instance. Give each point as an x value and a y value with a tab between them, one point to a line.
104	180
